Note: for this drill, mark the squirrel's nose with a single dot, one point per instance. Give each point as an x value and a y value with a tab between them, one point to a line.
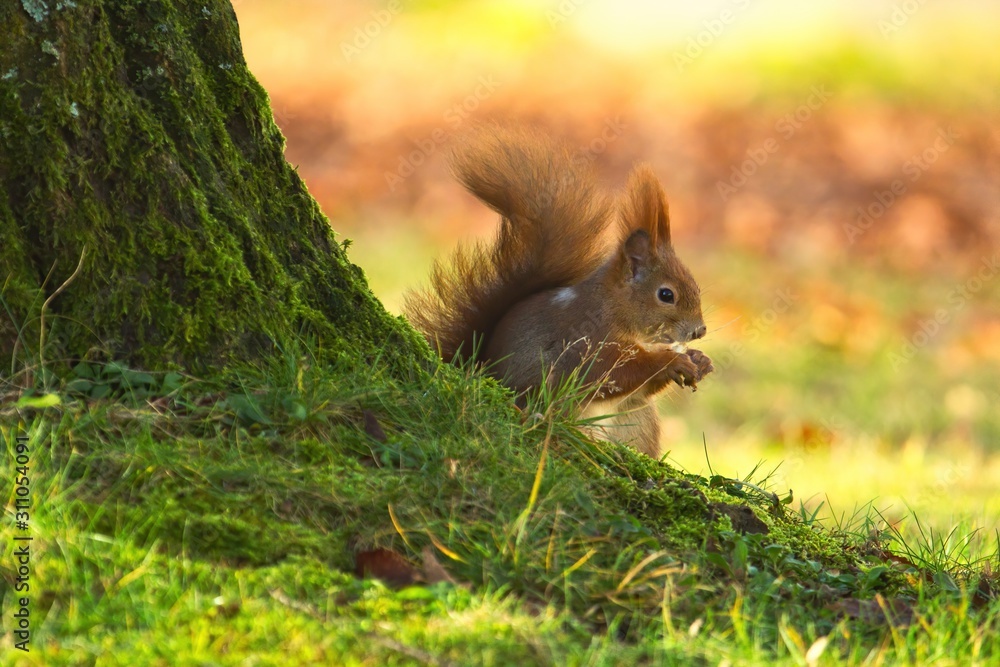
699	332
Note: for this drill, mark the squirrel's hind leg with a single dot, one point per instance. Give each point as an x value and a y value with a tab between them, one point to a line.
639	426
634	423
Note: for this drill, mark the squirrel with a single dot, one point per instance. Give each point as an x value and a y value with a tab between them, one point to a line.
562	289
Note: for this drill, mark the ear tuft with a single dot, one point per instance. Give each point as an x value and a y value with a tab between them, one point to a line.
635	255
644	206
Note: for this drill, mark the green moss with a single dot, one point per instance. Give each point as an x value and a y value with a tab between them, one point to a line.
147	141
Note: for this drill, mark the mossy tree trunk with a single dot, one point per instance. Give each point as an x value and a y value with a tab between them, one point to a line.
133	128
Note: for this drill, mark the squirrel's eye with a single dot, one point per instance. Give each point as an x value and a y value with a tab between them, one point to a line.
665	294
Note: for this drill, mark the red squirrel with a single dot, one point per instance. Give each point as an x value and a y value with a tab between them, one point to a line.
553	294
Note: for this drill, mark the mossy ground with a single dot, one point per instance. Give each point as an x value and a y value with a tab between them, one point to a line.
219	523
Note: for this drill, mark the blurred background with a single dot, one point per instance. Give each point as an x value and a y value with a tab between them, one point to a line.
833	170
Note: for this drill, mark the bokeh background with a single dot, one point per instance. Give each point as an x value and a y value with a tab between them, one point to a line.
833	170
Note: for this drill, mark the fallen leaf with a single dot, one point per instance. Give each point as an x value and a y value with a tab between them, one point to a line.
743	519
226	608
372	427
389	566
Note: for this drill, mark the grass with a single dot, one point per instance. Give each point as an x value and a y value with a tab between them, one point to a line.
917	434
219	523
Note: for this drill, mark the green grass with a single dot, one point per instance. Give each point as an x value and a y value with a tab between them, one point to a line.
812	387
219	525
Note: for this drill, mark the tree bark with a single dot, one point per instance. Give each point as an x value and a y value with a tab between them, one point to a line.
132	129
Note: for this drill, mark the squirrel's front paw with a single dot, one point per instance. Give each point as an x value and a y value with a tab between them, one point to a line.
683	370
701	360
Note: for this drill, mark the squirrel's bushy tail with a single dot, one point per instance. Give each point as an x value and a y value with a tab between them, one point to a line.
551	232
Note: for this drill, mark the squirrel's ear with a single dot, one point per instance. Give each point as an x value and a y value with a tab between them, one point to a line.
635	255
645	206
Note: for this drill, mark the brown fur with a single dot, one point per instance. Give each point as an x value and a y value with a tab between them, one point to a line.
553	220
551	295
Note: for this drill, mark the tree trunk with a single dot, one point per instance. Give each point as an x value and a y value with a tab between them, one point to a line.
132	131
